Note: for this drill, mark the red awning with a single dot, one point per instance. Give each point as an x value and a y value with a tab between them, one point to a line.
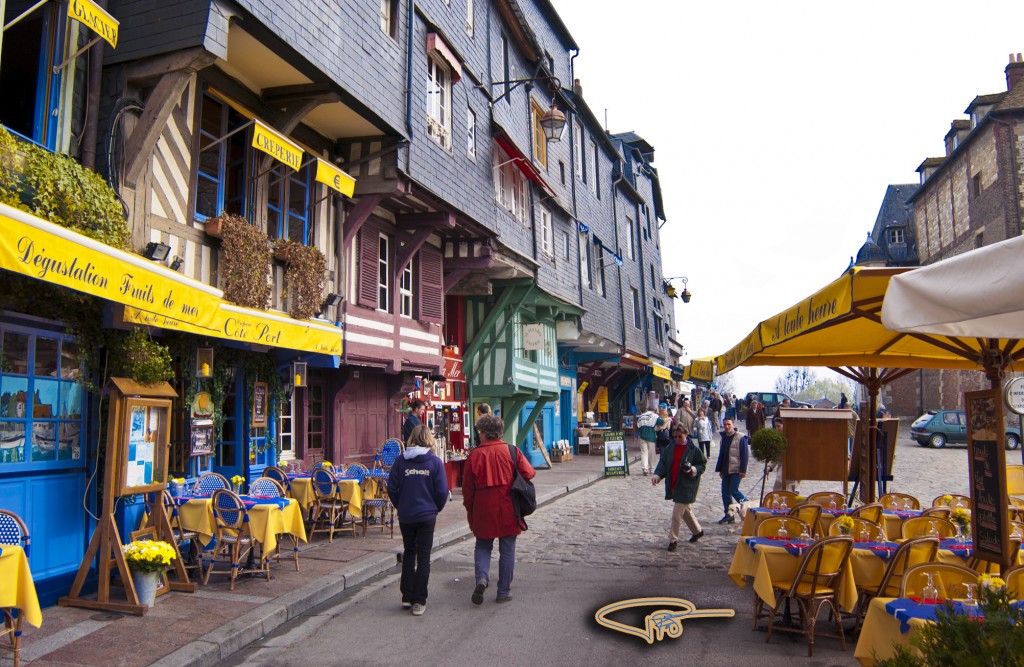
522	161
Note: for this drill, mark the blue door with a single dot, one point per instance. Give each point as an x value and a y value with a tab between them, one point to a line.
231	445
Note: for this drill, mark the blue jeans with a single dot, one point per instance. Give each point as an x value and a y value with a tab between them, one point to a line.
417	540
731	491
506	562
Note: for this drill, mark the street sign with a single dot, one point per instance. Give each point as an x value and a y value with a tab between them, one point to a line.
1013	395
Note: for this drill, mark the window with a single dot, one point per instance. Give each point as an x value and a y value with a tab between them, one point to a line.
471	134
405	291
540	142
315	420
547	235
469	17
951	418
896	235
510	187
31	48
561	170
596	174
41	400
599	268
630	238
223	169
288	204
584	259
659	329
636	307
565	245
439	101
286	428
581	171
976	184
388	17
383	274
653	284
979	239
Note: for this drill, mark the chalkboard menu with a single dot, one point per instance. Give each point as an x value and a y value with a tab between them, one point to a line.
259	404
989	518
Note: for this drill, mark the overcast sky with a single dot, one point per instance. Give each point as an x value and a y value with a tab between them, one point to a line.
777	126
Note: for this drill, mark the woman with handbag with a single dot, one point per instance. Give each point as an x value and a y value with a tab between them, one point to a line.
486	484
681	466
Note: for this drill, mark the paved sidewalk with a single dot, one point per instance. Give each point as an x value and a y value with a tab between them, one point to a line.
204	628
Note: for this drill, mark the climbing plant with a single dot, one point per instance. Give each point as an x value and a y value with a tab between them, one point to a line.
244	262
304	278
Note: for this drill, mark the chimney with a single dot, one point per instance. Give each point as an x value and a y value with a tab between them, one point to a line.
577	87
1014	71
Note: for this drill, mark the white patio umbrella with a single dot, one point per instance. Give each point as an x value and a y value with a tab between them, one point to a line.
979	294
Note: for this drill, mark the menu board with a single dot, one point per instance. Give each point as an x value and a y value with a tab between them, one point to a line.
143	424
143	445
987	459
259	404
616	463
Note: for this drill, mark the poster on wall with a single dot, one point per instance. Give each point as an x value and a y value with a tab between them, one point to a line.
987	459
616	462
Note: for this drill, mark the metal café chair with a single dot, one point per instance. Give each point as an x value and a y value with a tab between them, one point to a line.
234	538
278	475
13	531
329	509
908	554
265	487
208	483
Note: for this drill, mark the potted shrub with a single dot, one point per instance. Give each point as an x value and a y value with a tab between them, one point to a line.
148	560
139	357
768	445
244	262
304	277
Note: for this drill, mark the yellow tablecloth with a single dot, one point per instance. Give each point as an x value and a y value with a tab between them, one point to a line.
302	491
17	590
771	563
880	632
266	521
892	523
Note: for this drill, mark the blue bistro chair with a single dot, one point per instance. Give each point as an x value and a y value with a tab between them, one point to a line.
278	475
187	541
234	537
357	471
14	531
328	508
208	483
321	464
389	453
271	488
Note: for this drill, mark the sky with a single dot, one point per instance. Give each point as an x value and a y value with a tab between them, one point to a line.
777	127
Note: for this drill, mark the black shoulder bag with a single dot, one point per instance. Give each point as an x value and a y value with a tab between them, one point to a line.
522	493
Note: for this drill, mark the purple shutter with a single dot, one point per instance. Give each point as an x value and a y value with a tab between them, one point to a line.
369	250
431	285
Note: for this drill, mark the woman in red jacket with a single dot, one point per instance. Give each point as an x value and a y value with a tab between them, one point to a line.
486	482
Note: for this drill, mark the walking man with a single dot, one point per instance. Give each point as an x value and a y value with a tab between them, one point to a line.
681	465
645	424
733	454
416	410
716	411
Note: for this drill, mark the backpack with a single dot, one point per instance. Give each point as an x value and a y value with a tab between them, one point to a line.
522	492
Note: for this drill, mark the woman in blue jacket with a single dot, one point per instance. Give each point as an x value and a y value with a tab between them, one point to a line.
418	488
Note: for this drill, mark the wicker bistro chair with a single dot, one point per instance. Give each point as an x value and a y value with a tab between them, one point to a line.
872	513
389	453
826	498
794	527
271	488
809	513
910	553
813	587
921	526
329	509
1014	578
940	512
377	503
965	501
326	466
949	579
875	531
210	482
901	500
278	475
772	496
357	471
13	531
234	538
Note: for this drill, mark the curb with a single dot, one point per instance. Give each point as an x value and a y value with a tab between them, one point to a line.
218	645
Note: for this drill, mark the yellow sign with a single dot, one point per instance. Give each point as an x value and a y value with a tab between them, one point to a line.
92	15
276	146
583	387
827	304
602	399
661	372
660	623
334	178
48	252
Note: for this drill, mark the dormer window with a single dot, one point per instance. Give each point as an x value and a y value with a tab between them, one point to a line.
897	235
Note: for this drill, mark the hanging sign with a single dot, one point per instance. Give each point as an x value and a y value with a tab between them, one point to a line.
94	16
259	404
276	146
616	463
533	336
334	178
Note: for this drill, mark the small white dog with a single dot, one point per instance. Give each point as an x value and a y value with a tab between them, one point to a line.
739	509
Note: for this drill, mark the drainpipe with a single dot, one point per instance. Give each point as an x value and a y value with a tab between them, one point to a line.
92	121
615	221
339	251
408	69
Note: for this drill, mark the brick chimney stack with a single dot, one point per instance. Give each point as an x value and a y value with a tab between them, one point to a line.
1014	71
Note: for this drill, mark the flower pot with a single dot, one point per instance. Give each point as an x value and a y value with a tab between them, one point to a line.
145	586
214	227
282	252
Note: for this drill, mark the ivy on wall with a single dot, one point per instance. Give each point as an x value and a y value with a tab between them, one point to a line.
245	262
304	278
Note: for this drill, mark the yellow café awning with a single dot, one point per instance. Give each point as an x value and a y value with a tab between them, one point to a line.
840	325
700	370
659	371
151	294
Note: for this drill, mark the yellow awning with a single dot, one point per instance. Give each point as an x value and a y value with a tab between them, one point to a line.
663	372
700	370
151	293
840	325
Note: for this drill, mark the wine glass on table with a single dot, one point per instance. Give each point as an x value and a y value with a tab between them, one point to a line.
929	594
783	534
970	601
832	505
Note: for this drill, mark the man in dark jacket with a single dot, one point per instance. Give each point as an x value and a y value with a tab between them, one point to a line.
733	454
415	418
418	488
681	465
755	416
716	410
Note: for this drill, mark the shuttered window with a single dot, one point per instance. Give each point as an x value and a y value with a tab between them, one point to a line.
431	285
369	248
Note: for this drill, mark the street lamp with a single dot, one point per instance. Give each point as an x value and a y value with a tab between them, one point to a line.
553	120
671	290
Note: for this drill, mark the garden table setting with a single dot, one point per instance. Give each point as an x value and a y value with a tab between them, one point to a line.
268	518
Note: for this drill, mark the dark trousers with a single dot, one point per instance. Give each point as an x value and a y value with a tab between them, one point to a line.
731	491
418	539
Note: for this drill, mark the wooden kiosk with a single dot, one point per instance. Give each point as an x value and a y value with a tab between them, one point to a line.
138	437
817	444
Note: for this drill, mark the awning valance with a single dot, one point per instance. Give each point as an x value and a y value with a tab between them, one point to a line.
151	294
663	372
522	161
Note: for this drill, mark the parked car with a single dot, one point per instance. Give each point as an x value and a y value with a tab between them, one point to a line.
772	400
937	427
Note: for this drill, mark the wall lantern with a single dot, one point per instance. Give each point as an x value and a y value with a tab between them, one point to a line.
204	362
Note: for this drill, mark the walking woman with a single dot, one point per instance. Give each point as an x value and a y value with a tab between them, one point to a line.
704	431
681	466
418	487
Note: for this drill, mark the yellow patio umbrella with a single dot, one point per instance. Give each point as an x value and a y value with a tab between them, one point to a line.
840	327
